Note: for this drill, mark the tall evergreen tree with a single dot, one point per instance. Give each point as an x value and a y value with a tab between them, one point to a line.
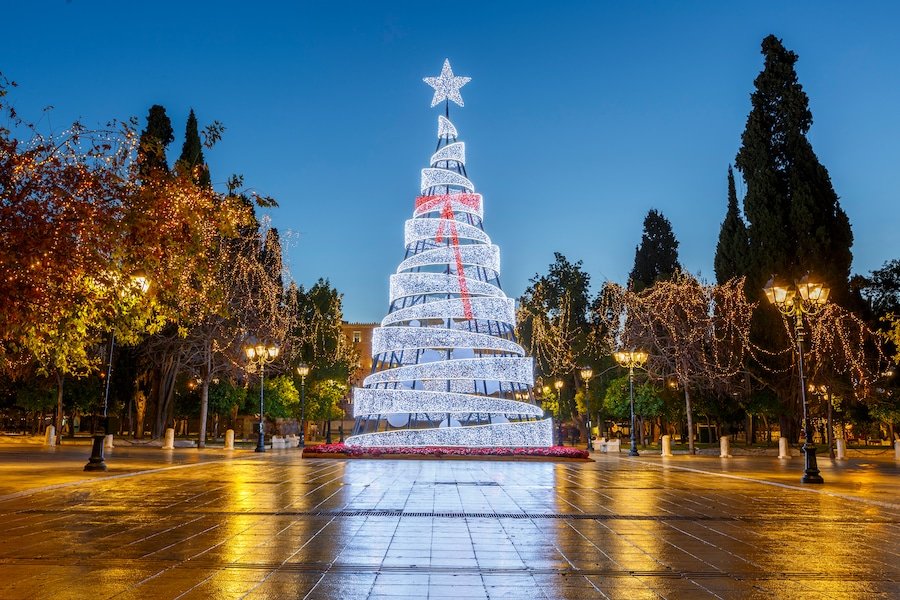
656	259
733	247
191	159
153	142
796	223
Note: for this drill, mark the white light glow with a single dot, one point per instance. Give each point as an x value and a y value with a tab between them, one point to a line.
477	255
456	151
380	402
396	338
428	229
435	177
459	203
446	128
446	85
508	369
522	434
446	354
484	308
404	285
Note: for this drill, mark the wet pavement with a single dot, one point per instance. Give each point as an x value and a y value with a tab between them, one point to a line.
216	524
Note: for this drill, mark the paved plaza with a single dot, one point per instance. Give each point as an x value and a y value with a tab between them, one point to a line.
216	524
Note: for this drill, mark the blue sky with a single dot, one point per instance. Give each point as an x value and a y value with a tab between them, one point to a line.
580	117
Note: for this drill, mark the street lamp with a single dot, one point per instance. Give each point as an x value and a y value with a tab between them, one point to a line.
586	374
260	353
631	359
813	296
303	371
141	282
558	384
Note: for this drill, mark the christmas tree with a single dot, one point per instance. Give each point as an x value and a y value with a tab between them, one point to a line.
447	370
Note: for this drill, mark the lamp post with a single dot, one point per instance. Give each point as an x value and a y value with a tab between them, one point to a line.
303	371
812	297
586	374
141	282
260	353
631	359
558	384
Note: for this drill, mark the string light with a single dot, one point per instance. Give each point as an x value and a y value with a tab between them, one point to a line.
475	255
511	369
446	129
381	401
417	230
458	202
432	177
522	434
455	152
434	360
404	285
483	308
397	338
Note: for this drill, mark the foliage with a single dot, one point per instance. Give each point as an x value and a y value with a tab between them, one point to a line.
732	248
281	398
796	223
38	395
323	398
191	162
656	259
648	401
224	395
314	332
154	140
882	289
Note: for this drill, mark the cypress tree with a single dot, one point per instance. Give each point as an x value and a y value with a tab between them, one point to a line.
656	259
191	159
733	247
796	223
154	140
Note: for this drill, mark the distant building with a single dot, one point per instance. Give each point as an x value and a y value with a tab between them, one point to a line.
359	335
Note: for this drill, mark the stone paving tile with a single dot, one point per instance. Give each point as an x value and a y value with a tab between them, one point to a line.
267	527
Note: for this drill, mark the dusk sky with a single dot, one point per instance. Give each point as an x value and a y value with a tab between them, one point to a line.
580	116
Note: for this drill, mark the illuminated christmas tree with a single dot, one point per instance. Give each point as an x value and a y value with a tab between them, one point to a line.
447	369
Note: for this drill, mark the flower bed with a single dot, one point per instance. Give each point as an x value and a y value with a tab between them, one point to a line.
440	451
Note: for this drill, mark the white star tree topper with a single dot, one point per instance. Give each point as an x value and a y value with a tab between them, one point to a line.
447	85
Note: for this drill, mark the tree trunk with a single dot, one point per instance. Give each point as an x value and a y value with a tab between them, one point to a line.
830	425
140	408
690	420
60	379
204	394
165	394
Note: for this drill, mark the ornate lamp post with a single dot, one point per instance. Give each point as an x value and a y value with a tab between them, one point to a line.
586	374
261	353
812	297
631	359
303	371
140	282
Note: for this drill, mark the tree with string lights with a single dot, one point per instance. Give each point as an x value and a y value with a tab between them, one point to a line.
696	334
